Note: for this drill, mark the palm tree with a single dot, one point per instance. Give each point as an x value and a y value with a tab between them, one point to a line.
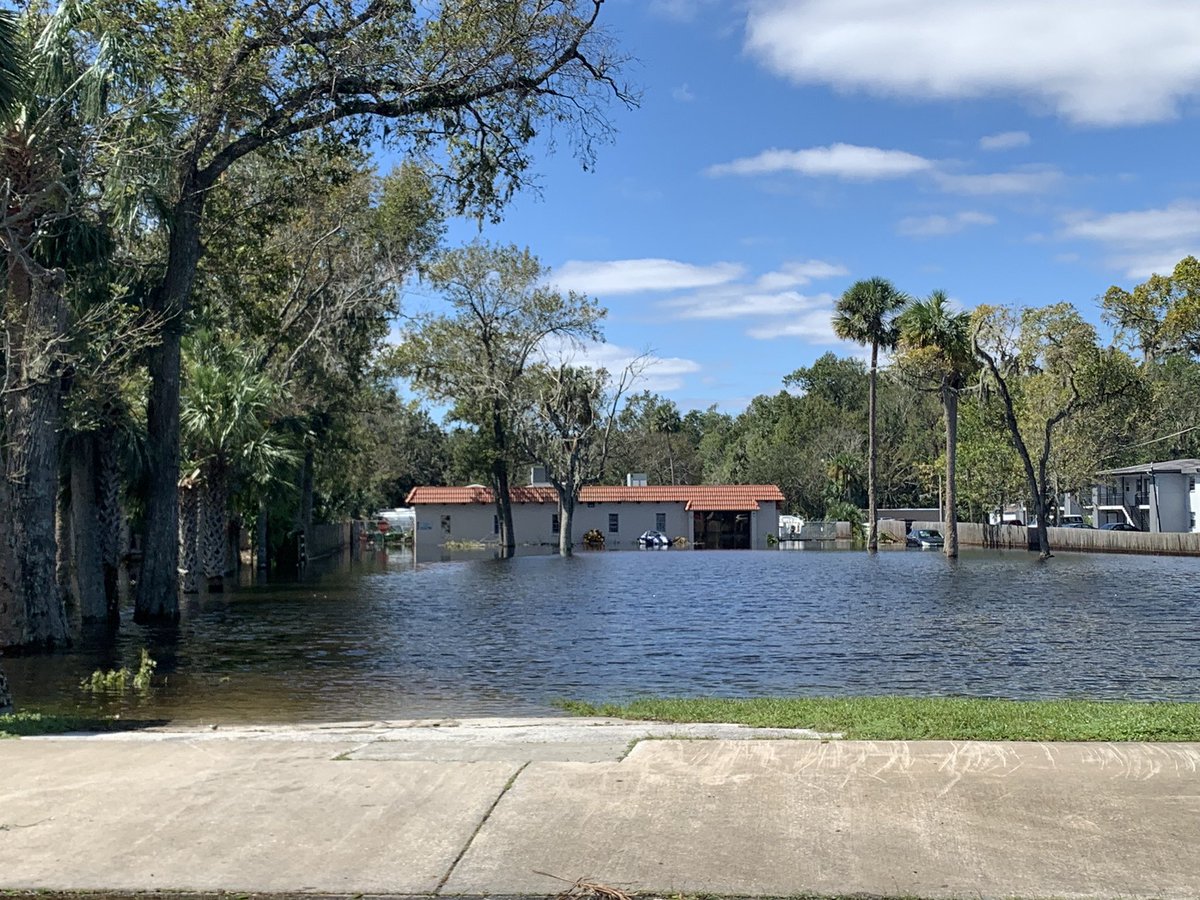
936	343
866	314
227	434
12	63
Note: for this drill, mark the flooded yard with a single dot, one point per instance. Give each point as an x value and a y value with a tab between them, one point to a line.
392	638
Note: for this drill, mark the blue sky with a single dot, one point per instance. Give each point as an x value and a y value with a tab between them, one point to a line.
1022	152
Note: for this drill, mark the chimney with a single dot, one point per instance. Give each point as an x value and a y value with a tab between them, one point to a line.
635	479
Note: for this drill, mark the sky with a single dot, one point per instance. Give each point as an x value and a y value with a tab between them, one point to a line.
1025	152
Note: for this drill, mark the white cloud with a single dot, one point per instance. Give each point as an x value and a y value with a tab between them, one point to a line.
847	161
1103	62
679	10
1032	180
734	302
1005	140
854	163
635	276
659	373
683	93
795	274
936	226
814	326
1142	242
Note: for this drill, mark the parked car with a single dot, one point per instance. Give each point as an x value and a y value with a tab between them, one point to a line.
653	539
925	538
1118	526
1075	525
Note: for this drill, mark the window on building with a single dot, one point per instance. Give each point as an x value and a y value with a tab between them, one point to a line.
1192	484
445	525
660	521
554	527
614	523
591	505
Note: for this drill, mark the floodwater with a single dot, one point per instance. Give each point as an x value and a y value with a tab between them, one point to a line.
388	637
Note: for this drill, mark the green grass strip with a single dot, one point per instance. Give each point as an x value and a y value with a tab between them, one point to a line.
915	718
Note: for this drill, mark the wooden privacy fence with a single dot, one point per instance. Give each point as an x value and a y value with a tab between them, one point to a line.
1089	540
325	540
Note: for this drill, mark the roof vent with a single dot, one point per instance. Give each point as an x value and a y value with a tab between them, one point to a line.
636	479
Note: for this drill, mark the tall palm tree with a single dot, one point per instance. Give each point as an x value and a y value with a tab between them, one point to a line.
866	314
936	342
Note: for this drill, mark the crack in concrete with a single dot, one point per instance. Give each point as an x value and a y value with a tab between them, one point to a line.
478	828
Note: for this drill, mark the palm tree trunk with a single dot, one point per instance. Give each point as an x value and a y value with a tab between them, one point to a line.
950	402
305	516
87	567
262	552
111	519
33	413
213	525
872	501
189	554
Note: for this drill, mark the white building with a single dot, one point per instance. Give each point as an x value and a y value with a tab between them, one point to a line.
1156	496
732	516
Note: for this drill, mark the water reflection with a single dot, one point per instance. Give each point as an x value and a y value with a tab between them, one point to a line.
395	636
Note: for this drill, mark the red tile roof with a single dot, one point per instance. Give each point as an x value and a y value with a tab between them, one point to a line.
705	497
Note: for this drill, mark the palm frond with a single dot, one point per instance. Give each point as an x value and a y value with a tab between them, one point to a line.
14	64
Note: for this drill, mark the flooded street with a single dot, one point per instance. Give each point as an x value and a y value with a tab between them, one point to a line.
390	638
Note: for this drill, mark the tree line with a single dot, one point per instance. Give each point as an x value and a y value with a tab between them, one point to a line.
201	263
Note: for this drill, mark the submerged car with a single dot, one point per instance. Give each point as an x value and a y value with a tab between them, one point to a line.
925	538
1118	526
653	539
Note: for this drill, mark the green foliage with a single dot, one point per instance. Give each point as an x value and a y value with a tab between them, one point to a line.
843	511
123	680
228	404
866	313
912	718
31	724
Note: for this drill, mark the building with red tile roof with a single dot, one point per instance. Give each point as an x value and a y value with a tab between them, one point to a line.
705	515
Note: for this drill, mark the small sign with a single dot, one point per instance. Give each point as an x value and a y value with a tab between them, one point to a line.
425	526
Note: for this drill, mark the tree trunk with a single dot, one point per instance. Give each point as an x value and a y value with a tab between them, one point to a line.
158	584
5	697
872	502
950	402
213	525
111	519
189	555
86	533
64	562
500	486
566	520
262	539
33	413
305	514
670	458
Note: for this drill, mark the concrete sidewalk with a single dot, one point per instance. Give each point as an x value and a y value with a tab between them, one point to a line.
502	806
